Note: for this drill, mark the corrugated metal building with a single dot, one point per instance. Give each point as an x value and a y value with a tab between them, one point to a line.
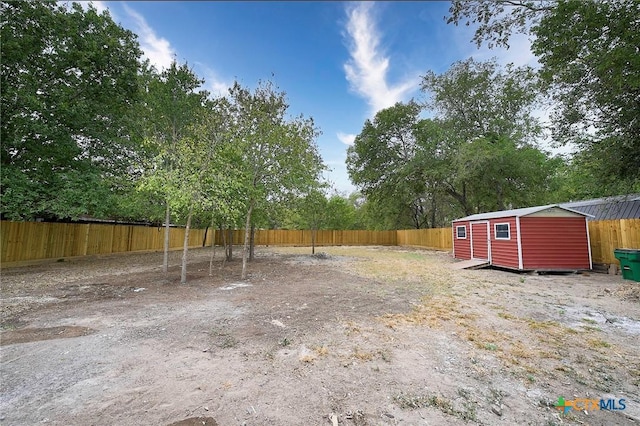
609	208
549	237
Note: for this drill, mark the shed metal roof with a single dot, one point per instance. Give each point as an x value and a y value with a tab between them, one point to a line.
610	208
517	212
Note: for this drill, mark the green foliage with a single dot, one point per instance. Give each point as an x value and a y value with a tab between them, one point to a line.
312	210
481	99
588	50
497	20
500	174
477	155
484	113
316	211
277	157
341	213
393	162
173	107
581	178
68	82
592	68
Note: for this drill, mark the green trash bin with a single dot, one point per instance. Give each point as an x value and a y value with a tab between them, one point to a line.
629	263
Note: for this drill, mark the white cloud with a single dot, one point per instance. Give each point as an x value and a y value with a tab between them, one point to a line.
346	138
367	68
212	81
157	49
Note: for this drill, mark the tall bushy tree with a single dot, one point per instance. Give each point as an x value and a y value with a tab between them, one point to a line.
279	155
500	174
588	50
384	163
480	99
173	105
69	83
477	154
482	110
590	56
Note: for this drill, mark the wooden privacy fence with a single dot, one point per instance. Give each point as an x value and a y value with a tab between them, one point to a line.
43	240
292	237
440	238
608	235
23	241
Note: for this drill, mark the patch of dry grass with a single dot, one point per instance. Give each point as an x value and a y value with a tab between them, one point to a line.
321	350
433	312
416	401
390	266
307	359
362	355
351	327
598	343
506	315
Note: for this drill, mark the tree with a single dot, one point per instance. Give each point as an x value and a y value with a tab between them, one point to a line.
173	106
341	213
590	65
382	163
574	180
475	101
313	213
477	154
69	83
481	98
217	190
202	172
501	174
592	69
279	156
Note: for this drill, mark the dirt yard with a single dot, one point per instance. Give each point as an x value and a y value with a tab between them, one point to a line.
355	336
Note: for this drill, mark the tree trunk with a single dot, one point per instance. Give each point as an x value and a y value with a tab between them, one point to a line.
165	259
224	244
461	198
313	240
213	247
500	200
204	240
252	242
185	248
245	248
433	211
229	244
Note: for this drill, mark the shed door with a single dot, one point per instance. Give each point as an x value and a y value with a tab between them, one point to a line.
480	240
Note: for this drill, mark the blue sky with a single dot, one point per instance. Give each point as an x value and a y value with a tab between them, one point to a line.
338	62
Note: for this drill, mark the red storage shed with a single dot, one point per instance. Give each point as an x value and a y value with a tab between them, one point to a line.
552	238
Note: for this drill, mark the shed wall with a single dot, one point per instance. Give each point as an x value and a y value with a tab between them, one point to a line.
549	243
